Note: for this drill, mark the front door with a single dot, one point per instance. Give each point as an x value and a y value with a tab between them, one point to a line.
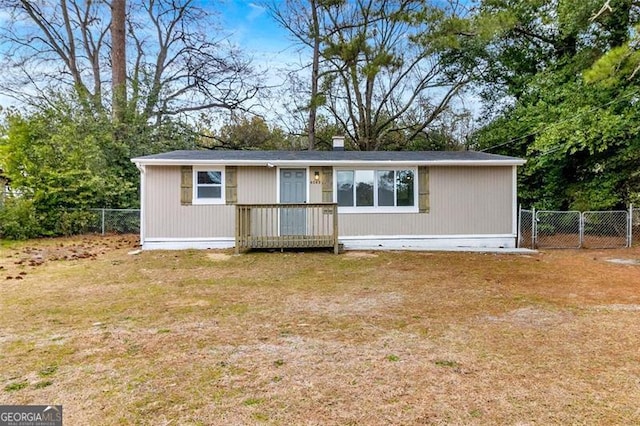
293	189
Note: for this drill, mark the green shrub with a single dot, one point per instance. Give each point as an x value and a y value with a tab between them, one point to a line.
19	219
76	222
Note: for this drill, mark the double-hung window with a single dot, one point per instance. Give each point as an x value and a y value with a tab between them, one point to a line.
208	186
377	191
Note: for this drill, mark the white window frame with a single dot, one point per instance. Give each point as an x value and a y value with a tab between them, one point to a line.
197	200
375	208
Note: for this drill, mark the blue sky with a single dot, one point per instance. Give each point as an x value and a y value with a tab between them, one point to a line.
249	21
249	25
254	30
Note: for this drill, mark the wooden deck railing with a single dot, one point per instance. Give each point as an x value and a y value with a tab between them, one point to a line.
286	226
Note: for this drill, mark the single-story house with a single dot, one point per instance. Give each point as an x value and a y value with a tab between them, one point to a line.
361	200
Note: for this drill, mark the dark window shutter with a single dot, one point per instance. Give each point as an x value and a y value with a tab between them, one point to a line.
327	184
231	184
186	185
423	189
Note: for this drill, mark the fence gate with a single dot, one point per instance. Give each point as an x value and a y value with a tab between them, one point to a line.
555	229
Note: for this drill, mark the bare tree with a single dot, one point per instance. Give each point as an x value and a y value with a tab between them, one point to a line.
53	45
177	66
385	79
315	73
181	68
301	19
118	59
379	75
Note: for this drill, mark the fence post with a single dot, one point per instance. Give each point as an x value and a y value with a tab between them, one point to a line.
519	230
534	228
581	229
630	226
102	221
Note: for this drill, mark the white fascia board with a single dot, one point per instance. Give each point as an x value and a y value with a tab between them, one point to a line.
318	163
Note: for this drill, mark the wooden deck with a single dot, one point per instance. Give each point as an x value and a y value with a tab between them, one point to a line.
278	226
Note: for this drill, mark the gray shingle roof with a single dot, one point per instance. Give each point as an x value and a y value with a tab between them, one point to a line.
315	157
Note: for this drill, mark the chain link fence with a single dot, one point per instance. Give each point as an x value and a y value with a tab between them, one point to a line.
526	229
555	229
100	221
574	229
605	229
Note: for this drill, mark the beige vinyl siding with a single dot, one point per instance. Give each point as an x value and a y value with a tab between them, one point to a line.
165	217
315	188
257	185
463	201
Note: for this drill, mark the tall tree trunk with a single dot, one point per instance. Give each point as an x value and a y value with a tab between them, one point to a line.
118	59
315	71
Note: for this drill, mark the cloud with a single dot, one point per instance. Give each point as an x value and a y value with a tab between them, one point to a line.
255	11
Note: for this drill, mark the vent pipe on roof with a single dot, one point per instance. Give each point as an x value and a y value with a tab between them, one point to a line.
338	143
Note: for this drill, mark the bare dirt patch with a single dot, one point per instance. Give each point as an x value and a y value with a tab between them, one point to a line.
360	255
218	256
625	261
345	304
532	317
618	307
19	260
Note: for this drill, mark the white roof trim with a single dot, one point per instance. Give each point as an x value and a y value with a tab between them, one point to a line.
340	163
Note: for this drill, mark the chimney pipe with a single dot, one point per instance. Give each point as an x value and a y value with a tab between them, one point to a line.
338	143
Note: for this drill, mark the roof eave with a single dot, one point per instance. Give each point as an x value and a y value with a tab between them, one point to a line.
317	163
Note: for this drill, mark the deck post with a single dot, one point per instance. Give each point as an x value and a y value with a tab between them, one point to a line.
336	244
237	248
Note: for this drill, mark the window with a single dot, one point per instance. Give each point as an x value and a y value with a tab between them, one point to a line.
345	187
364	188
376	190
208	186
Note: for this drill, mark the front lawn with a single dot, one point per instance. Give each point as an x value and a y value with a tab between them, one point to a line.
205	337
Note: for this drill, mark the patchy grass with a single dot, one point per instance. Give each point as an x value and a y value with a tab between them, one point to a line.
16	386
446	363
48	371
199	337
43	384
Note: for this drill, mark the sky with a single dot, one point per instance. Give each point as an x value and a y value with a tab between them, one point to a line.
250	27
263	40
256	32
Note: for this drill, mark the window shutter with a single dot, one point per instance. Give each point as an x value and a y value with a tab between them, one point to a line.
327	184
186	185
231	184
423	189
